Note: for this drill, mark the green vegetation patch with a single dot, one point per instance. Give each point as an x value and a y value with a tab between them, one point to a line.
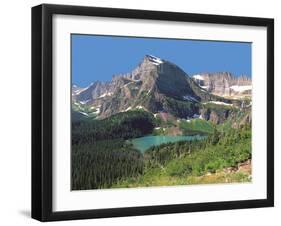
122	125
214	106
195	126
103	163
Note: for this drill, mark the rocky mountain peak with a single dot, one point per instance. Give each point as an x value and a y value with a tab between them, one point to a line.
153	59
155	85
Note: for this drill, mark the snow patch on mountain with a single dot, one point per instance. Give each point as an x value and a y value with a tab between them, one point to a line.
137	107
77	92
219	103
106	94
155	60
198	77
83	113
97	111
240	88
128	109
84	101
188	97
140	107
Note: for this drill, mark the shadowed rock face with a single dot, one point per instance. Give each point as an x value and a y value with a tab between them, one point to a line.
224	84
155	85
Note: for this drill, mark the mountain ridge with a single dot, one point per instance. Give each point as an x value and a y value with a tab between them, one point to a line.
224	84
155	85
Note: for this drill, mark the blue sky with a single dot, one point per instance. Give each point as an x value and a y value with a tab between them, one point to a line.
99	57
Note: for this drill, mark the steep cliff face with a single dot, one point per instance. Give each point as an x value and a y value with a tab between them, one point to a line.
216	116
224	84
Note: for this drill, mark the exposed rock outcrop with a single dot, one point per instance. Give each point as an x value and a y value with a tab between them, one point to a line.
224	84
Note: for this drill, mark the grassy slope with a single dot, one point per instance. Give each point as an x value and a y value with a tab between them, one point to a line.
158	177
196	125
184	127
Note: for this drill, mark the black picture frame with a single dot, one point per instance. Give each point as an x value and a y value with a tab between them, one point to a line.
42	111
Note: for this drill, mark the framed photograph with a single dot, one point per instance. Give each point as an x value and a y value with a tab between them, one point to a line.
145	112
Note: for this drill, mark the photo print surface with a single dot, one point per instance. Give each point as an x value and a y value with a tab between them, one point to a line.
159	112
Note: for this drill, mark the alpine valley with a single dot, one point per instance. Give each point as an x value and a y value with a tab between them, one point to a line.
157	125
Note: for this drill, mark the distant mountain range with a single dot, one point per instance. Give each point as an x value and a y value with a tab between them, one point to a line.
224	84
157	85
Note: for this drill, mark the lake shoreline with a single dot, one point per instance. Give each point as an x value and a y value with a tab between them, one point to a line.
144	143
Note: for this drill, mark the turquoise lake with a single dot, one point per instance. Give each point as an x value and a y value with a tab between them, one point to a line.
143	143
